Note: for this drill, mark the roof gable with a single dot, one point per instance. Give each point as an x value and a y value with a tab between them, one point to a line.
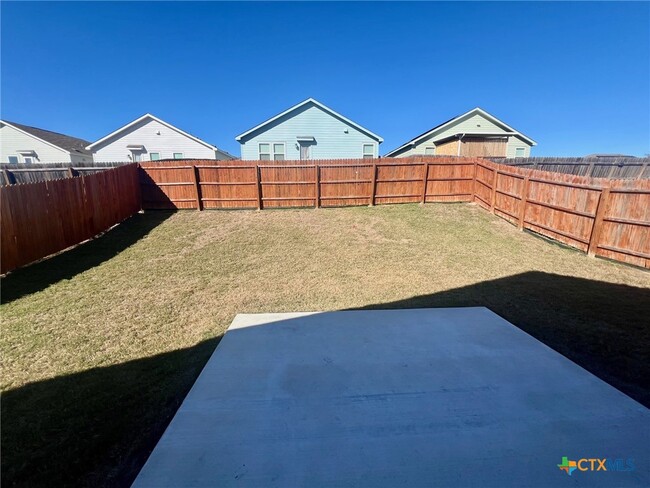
151	117
458	120
68	144
298	107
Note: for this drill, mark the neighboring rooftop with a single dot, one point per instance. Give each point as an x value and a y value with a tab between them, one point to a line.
508	130
67	143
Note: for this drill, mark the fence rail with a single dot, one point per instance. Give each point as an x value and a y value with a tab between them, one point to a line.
40	219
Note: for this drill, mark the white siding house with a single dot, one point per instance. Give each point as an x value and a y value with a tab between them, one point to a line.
474	133
30	145
309	130
149	138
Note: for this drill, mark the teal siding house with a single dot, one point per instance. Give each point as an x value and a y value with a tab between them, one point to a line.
309	130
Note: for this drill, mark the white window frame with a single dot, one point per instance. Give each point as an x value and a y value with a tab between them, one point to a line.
31	159
363	151
430	147
175	153
259	151
155	152
284	150
15	157
271	152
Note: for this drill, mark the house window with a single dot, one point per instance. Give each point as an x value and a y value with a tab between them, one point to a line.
278	152
368	151
154	156
429	151
178	155
28	160
13	159
520	152
265	151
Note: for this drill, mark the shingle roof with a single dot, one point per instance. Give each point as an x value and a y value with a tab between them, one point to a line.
67	143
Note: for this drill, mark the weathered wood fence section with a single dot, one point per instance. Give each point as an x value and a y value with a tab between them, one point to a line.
13	174
616	167
609	218
39	219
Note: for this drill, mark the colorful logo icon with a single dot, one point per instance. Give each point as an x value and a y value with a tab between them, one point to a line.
568	466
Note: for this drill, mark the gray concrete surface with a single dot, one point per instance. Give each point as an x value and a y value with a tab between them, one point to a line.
427	397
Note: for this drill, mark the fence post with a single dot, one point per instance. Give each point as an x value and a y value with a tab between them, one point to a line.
425	180
5	174
197	187
70	172
317	187
474	180
597	228
373	184
258	186
494	190
523	201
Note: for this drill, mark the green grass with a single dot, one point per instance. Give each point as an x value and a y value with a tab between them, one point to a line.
100	344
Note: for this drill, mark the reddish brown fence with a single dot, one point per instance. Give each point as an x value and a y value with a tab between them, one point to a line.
239	184
39	219
609	218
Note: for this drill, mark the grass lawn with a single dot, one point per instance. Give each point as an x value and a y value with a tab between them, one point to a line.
100	344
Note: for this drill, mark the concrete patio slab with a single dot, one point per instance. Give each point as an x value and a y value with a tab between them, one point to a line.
387	398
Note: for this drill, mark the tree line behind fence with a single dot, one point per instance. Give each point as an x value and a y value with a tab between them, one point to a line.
608	218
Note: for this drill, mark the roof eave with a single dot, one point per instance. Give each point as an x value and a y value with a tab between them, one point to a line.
35	137
378	138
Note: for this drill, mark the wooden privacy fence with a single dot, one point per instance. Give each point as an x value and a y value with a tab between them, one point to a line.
218	184
609	218
39	219
617	167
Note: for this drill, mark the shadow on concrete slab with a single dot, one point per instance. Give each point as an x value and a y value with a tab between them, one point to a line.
603	327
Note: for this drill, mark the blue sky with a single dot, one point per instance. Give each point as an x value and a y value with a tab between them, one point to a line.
573	76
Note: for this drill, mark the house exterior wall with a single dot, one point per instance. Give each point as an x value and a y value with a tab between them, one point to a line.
473	124
13	140
513	143
447	148
331	139
483	148
146	134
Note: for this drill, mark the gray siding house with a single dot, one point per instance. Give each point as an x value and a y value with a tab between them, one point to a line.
149	138
474	134
30	145
309	130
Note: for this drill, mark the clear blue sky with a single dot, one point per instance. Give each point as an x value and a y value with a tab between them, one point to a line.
573	76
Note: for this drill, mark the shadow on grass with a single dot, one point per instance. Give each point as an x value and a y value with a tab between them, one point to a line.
603	327
64	266
97	427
